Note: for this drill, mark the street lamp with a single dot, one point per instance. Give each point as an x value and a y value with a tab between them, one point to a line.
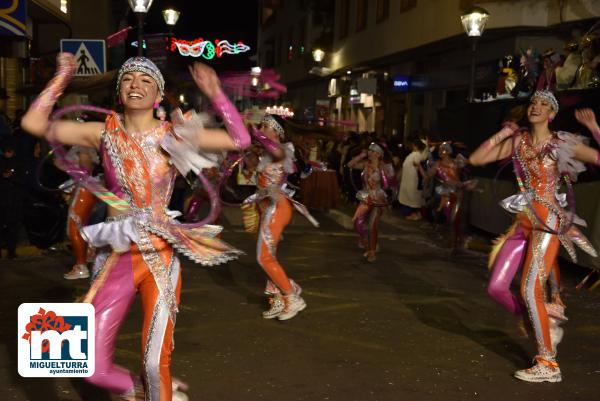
171	17
474	21
140	8
318	55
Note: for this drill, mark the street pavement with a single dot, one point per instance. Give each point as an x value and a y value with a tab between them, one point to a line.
415	325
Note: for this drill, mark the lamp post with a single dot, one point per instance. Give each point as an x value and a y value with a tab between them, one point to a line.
474	21
140	8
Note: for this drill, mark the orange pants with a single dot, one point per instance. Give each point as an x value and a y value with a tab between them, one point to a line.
275	216
542	251
129	275
79	212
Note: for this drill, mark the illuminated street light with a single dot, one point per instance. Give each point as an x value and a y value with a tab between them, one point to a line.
140	8
171	16
473	22
318	55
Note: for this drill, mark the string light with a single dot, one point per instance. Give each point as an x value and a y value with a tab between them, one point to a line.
206	48
280	111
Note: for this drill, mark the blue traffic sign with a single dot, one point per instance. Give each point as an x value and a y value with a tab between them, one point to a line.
90	55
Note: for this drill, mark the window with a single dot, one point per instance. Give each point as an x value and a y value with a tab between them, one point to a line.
344	17
406	5
361	14
383	10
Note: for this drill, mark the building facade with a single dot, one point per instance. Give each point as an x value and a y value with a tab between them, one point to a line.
289	32
30	34
394	63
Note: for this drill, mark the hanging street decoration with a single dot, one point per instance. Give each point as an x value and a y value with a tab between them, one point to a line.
206	48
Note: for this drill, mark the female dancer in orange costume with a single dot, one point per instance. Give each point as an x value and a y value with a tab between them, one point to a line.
541	158
451	189
80	209
139	238
372	197
275	204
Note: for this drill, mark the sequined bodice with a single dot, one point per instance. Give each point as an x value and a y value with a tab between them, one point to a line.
540	171
272	175
372	184
448	172
371	179
137	167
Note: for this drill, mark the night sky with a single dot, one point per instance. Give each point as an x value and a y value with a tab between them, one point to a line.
222	19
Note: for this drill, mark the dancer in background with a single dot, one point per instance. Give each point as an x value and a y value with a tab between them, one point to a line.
541	158
376	177
451	189
275	206
80	208
139	234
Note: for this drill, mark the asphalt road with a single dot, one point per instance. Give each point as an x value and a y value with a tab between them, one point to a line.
415	325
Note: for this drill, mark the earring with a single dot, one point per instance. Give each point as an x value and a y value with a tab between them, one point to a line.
549	120
156	104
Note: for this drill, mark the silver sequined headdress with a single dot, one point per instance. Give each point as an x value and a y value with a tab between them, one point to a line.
446	147
142	64
269	121
376	148
547	96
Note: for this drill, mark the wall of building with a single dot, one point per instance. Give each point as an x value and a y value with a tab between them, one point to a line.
433	20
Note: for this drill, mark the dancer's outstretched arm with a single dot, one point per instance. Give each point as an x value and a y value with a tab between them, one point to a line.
582	152
274	148
496	148
36	119
236	137
358	162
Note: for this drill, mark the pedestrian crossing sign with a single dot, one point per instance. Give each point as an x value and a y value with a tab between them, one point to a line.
90	55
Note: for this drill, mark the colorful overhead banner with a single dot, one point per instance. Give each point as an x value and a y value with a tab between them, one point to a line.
13	17
206	48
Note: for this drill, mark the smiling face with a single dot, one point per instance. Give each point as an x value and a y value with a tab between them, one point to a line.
540	110
373	155
138	91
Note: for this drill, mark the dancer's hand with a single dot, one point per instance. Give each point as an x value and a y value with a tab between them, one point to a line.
65	63
206	79
510	125
588	118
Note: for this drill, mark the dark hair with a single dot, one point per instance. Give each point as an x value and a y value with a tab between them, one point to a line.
416	142
280	120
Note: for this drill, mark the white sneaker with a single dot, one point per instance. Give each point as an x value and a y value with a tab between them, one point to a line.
293	304
178	394
277	306
78	271
540	372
